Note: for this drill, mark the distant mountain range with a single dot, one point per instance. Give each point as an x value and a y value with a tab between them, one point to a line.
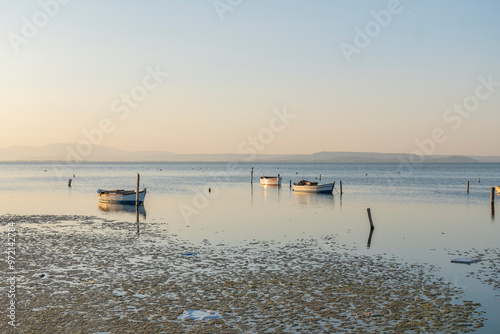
70	152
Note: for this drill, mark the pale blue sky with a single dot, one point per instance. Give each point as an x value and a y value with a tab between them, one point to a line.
226	77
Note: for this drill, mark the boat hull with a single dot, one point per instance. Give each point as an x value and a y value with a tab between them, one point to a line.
121	196
270	181
320	188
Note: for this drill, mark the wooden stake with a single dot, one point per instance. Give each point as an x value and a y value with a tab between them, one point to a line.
492	197
137	190
251	175
69	183
290	184
370	218
320	177
137	217
467	187
341	187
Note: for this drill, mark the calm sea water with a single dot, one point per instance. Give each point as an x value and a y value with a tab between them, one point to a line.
426	182
422	214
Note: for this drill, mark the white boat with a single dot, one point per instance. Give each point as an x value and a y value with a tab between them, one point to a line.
313	187
120	196
270	180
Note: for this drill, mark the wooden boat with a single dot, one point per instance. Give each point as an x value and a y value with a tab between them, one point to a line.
120	196
270	180
313	187
498	189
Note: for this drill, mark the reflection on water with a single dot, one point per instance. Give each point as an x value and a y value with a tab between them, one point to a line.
271	193
127	208
313	199
368	245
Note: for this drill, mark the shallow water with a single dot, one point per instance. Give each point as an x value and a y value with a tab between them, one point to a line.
422	215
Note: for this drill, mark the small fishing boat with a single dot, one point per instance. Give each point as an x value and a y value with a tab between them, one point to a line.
120	196
270	180
313	187
498	189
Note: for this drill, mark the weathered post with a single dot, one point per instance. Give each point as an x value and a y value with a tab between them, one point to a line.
69	183
467	187
290	184
137	218
370	218
492	201
341	187
251	175
137	190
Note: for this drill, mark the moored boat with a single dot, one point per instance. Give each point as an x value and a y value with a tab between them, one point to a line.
313	187
498	189
270	180
121	196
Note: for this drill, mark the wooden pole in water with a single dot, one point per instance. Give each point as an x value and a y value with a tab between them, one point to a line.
320	177
137	190
492	203
137	202
251	175
137	217
69	183
370	218
467	187
290	184
341	187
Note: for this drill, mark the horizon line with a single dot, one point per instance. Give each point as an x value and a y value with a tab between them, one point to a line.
242	154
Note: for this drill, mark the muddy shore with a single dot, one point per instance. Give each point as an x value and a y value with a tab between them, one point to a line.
80	274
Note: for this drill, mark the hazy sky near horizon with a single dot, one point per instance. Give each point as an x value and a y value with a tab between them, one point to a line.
354	78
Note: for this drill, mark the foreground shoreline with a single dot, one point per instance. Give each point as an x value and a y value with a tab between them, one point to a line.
83	274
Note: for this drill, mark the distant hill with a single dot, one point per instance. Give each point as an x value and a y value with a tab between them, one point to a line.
65	152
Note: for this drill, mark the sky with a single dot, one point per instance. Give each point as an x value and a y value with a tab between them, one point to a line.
231	76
